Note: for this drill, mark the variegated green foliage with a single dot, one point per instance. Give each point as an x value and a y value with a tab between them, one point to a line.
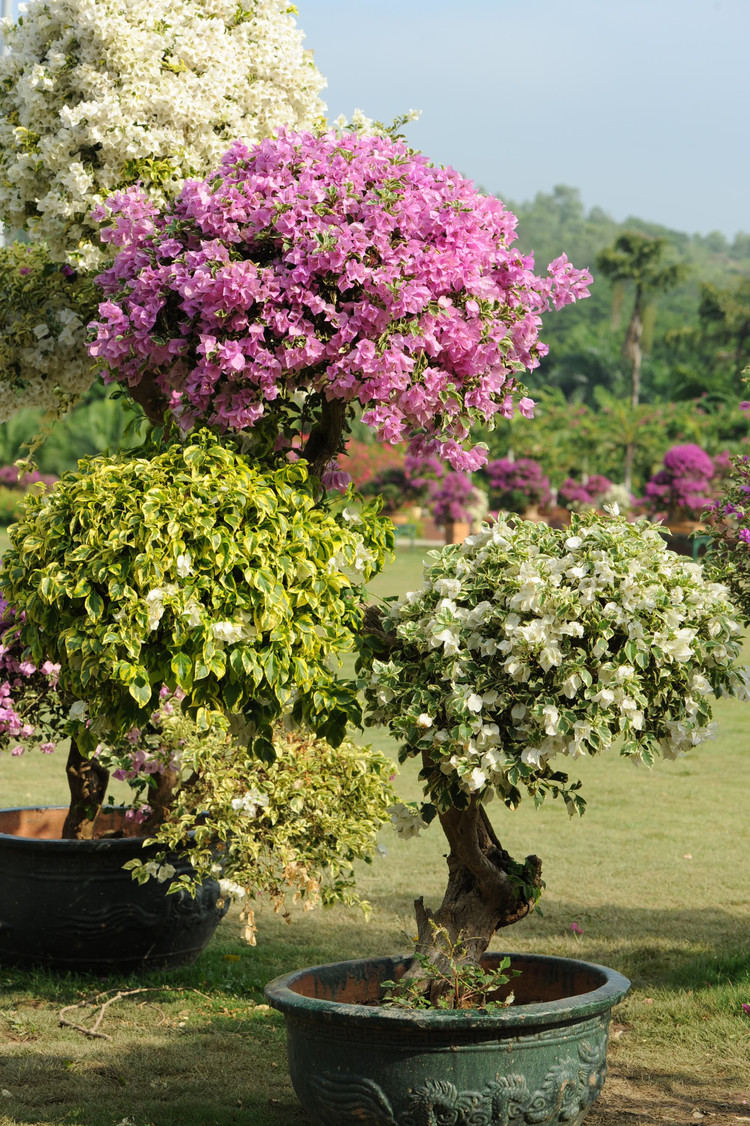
190	568
289	830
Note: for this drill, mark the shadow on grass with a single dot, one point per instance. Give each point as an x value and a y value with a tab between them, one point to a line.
196	1050
207	1077
673	949
633	1097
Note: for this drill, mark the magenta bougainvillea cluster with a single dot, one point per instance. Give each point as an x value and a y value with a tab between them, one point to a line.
514	485
456	497
314	269
583	494
684	487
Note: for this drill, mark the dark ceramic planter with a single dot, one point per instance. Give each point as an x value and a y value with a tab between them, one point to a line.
541	1061
69	905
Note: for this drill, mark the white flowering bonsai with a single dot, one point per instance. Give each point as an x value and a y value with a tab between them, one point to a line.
526	647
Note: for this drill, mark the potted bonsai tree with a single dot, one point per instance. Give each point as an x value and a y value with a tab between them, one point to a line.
457	504
580	495
518	486
92	100
138	654
525	646
304	278
678	493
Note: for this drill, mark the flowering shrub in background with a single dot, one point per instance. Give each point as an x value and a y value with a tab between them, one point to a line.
683	488
11	477
579	494
728	526
95	96
454	497
514	485
314	272
365	460
395	488
14	484
526	643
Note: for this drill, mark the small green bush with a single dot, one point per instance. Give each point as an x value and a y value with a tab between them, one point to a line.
189	568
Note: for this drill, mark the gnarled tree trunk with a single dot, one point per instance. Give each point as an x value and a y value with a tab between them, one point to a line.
87	781
486	890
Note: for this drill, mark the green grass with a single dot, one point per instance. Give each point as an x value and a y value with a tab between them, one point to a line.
655	874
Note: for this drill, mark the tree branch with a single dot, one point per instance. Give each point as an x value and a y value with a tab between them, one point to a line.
324	441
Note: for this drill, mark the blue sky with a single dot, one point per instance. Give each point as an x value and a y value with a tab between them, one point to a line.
641	104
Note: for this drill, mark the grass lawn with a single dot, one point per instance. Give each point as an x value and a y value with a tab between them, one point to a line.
655	875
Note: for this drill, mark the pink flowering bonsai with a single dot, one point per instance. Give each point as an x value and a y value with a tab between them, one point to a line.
579	494
308	282
314	277
684	487
515	485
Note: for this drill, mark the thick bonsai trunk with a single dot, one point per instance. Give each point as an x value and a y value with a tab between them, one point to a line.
87	781
160	799
324	441
486	890
148	396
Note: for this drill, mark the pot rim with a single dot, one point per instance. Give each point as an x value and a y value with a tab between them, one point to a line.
280	994
55	843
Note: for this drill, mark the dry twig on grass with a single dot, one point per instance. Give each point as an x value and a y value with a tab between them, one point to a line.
118	995
93	1031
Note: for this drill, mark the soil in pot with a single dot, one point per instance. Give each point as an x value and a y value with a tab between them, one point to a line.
69	905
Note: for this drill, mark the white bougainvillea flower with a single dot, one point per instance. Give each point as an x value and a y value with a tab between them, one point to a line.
94	95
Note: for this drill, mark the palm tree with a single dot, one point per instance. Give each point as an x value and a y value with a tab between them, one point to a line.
637	258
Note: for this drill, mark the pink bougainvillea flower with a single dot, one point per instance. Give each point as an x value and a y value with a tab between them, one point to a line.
746	1007
576	929
314	270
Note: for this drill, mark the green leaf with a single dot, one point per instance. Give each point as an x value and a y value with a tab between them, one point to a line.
182	667
264	749
232	693
94	606
140	690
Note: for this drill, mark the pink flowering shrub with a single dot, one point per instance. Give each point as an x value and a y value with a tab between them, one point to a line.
728	525
455	497
452	497
683	488
32	713
577	494
514	485
12	478
313	271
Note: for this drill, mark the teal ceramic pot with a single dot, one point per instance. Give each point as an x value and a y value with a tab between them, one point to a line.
70	905
539	1062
